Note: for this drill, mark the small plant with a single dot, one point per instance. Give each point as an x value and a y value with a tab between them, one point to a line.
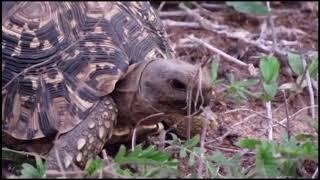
269	67
149	162
29	171
249	7
93	166
238	90
296	65
280	159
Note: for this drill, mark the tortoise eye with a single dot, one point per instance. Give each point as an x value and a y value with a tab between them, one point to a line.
176	84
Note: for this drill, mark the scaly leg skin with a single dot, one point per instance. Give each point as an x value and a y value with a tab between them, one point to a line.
86	140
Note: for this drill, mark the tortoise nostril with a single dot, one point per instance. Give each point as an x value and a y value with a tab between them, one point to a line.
178	85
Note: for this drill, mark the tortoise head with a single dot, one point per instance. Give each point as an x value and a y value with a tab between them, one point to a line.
161	86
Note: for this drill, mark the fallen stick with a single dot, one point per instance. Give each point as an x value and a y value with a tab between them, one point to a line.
218	51
172	23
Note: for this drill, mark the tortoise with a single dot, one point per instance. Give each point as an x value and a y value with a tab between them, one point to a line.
72	72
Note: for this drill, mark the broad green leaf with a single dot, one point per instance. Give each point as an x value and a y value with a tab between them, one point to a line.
218	157
28	171
295	63
313	68
271	89
249	143
249	7
246	82
93	166
214	70
193	141
269	67
265	161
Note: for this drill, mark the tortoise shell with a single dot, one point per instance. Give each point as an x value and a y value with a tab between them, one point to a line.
59	59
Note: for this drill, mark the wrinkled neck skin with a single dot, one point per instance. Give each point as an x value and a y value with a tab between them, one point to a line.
131	104
147	89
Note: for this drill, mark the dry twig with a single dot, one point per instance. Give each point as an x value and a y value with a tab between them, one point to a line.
218	51
294	114
23	153
134	134
172	23
310	89
287	113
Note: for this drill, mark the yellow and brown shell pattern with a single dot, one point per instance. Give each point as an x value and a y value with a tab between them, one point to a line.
60	58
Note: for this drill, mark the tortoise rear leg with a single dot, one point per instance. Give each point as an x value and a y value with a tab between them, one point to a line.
86	140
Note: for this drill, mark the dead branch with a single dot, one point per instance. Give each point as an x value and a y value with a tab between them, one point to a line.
218	51
296	113
172	23
229	32
173	13
161	5
287	113
23	153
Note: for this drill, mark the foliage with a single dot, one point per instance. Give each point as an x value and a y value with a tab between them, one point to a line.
249	7
153	162
214	70
270	68
281	159
29	171
238	90
296	64
93	166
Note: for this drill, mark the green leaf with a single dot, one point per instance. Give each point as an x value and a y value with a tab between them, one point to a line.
313	68
212	169
183	153
93	166
289	168
218	157
295	63
193	141
249	7
271	89
148	156
191	159
249	143
121	153
214	70
309	149
28	171
265	161
269	67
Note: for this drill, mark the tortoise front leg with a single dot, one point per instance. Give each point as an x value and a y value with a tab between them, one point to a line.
87	139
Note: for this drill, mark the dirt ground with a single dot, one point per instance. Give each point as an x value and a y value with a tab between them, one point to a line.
296	24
